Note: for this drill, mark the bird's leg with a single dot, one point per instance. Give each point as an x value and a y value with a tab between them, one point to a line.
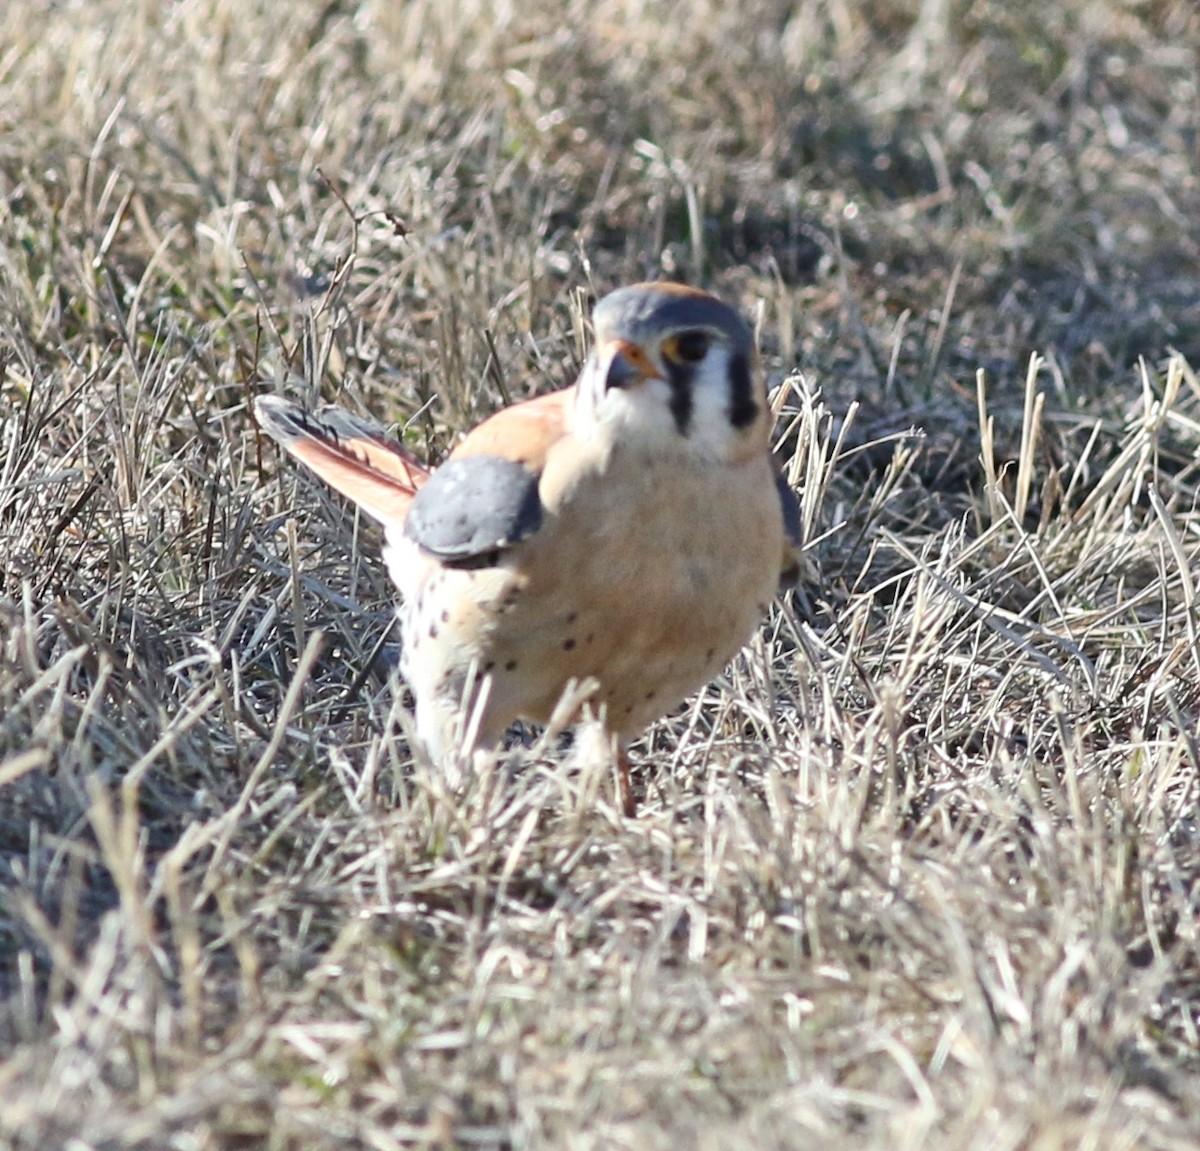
601	750
625	796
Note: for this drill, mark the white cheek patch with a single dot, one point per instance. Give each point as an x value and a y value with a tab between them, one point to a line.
712	431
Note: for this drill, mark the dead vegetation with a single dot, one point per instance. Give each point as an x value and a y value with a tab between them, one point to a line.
920	870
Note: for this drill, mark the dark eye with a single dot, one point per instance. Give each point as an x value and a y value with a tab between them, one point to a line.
689	347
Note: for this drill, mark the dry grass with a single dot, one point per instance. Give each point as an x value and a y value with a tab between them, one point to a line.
920	871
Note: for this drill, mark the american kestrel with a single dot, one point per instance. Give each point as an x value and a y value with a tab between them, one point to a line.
625	533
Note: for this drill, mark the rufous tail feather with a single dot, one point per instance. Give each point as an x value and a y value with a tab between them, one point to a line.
352	456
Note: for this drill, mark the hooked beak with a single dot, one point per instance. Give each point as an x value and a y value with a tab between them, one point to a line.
624	364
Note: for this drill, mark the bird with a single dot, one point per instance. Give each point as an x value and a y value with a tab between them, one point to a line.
626	533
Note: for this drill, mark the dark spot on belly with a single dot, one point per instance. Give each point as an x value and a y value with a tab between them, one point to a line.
627	710
511	665
568	645
589	637
709	654
649	695
445	617
433	631
491	663
572	616
762	608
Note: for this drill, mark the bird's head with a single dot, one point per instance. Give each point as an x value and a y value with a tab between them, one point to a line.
674	367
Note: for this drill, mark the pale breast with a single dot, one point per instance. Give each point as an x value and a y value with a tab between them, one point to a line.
647	576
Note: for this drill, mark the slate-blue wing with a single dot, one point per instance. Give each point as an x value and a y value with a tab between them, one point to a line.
472	508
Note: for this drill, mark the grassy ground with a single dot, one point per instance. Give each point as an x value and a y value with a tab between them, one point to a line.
922	870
